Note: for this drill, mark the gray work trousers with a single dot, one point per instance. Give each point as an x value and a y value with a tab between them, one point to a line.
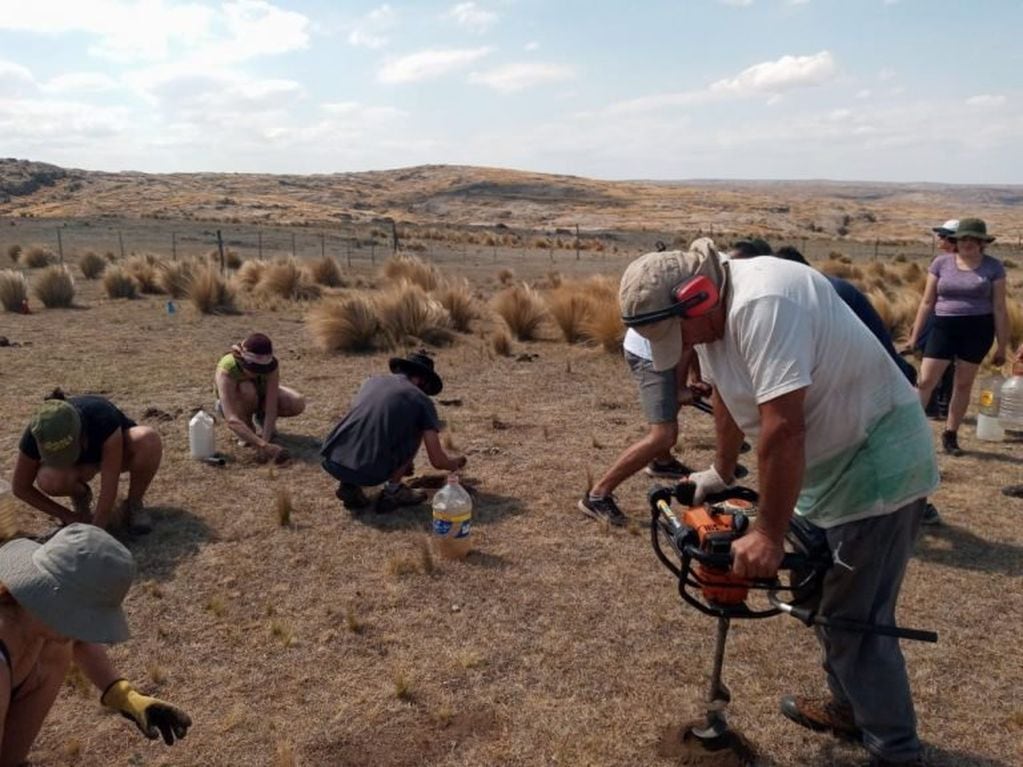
867	671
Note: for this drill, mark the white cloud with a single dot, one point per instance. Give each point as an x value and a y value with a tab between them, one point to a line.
369	31
77	82
15	80
532	45
429	64
986	100
886	74
864	93
784	74
470	16
518	76
157	30
770	79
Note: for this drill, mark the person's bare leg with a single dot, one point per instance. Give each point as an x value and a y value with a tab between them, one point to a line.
931	370
658	441
143	451
248	402
289	403
34	700
70	483
962	386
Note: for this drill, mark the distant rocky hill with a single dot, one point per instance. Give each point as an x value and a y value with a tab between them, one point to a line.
472	196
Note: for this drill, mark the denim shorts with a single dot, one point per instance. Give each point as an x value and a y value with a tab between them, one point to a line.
658	390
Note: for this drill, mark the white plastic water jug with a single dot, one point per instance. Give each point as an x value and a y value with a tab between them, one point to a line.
1010	411
201	436
452	519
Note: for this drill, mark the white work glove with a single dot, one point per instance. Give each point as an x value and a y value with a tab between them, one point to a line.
707	482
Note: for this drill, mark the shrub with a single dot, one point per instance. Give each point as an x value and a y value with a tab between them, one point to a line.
604	326
118	283
837	268
13	290
588	311
250	273
37	257
411	269
408	314
210	293
501	342
287	279
456	297
54	287
175	278
145	271
347	325
326	271
92	266
569	307
13	251
232	260
506	276
522	309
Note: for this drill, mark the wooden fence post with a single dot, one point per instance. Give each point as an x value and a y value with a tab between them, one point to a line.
60	245
292	244
348	249
259	244
220	249
120	241
174	246
323	245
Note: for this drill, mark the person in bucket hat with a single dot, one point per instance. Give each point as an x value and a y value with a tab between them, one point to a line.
61	601
966	293
377	440
71	440
251	398
841	441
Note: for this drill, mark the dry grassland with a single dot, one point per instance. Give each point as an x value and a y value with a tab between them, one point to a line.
297	634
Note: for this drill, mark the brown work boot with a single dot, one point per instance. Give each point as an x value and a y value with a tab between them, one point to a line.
351	496
402	496
821	715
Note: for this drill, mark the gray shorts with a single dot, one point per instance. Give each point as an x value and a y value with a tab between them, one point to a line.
658	390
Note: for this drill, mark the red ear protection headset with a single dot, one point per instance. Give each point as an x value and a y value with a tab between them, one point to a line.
693	297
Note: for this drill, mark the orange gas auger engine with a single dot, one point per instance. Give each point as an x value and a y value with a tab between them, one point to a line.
700	545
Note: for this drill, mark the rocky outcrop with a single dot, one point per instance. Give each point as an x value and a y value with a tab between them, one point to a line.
23	177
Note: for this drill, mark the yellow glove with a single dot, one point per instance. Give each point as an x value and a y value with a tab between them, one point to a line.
152	716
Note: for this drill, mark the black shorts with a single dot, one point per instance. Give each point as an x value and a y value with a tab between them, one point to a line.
967	338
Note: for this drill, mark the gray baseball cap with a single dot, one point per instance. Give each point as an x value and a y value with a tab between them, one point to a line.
74	583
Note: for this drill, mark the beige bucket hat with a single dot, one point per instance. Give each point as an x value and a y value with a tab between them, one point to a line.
74	583
647	290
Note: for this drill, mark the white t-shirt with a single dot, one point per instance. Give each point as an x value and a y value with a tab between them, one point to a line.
868	443
634	343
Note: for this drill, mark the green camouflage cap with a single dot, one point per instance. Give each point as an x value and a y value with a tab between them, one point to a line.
57	429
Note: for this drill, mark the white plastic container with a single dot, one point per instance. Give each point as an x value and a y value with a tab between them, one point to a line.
452	520
8	524
201	436
1010	411
989	428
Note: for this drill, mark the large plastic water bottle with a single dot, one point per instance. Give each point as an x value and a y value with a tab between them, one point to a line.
452	520
8	524
988	427
1010	412
201	436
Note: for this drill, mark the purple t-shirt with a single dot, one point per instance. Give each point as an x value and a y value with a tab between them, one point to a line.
963	292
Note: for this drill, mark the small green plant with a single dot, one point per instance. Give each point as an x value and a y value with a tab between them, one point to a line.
281	631
352	621
283	506
403	686
217	605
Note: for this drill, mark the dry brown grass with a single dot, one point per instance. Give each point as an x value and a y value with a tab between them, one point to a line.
92	265
505	276
348	324
119	284
283	506
13	252
838	268
501	342
250	273
588	311
411	269
210	293
13	290
456	297
409	316
175	278
37	257
522	310
145	270
55	287
289	280
327	272
1015	307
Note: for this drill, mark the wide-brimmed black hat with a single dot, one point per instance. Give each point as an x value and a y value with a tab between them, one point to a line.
974	228
419	364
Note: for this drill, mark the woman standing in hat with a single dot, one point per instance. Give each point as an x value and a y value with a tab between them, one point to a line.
251	397
61	601
966	291
70	441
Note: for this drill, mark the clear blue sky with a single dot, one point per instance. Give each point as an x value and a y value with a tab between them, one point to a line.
888	90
